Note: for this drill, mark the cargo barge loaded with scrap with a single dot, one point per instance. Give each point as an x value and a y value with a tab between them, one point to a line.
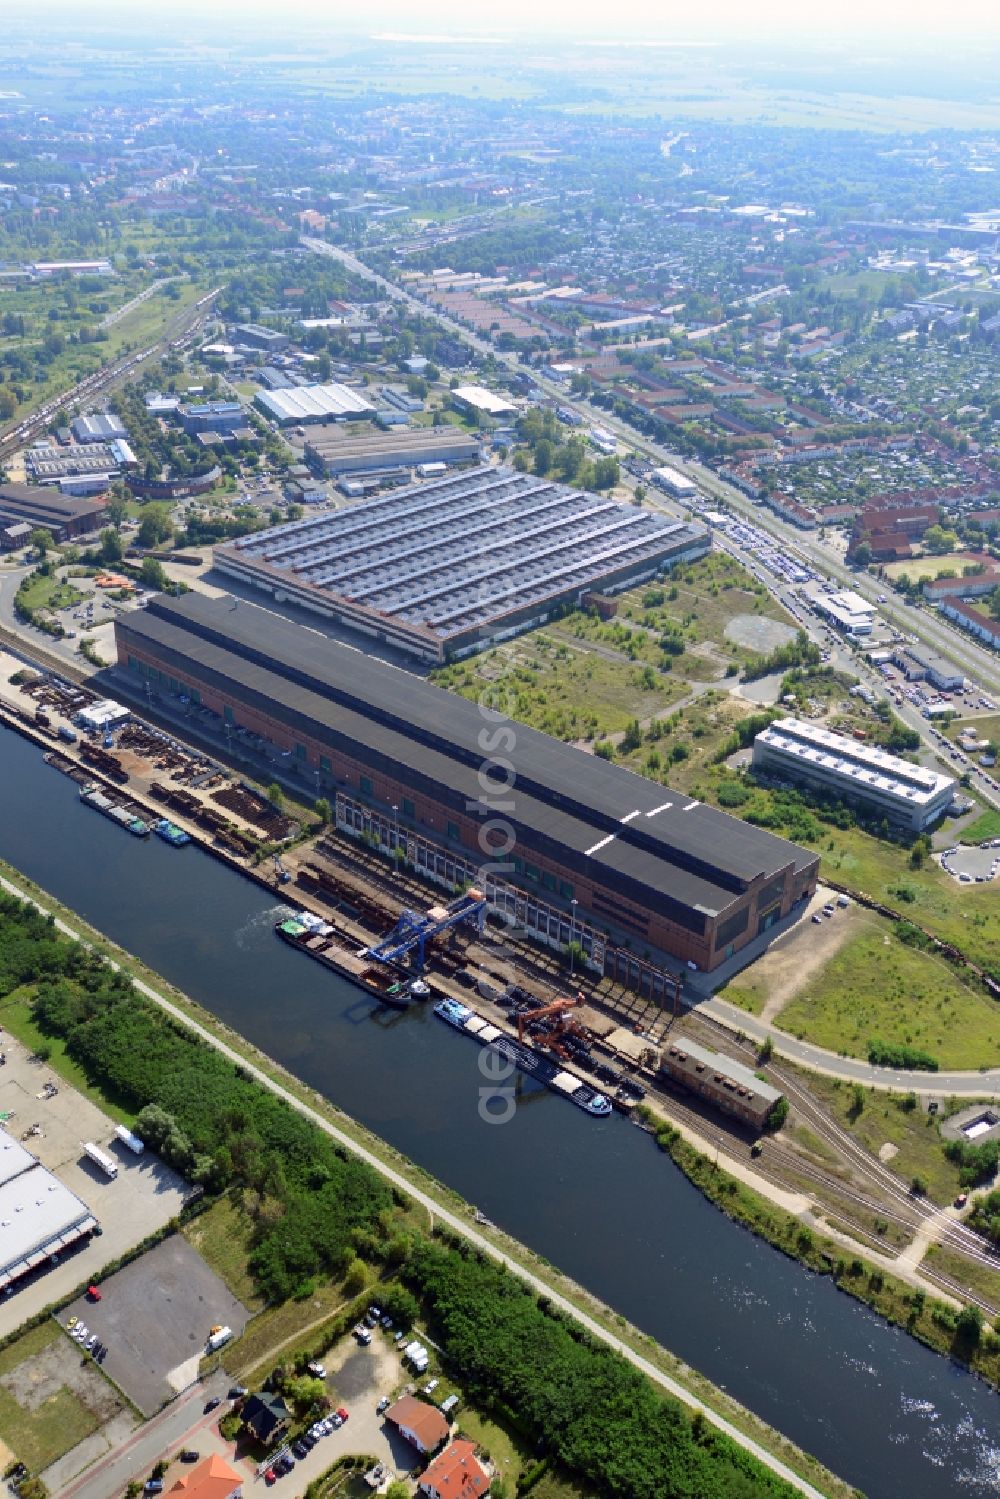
92	796
388	983
524	1057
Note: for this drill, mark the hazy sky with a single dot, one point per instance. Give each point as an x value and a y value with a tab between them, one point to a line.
958	24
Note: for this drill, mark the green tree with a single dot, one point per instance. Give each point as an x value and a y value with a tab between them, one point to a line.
42	540
155	526
151	574
938	541
276	796
110	549
323	810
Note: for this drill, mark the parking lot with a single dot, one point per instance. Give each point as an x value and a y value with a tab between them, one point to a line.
144	1196
358	1378
154	1316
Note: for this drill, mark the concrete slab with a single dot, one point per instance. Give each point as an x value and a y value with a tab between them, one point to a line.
155	1316
144	1196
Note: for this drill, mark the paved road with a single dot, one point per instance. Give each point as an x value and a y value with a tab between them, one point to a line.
181	1424
458	1225
984	1084
958	647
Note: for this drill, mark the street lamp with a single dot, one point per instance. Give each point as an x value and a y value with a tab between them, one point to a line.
572	934
395	838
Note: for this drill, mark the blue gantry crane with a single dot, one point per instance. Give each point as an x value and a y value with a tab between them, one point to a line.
414	929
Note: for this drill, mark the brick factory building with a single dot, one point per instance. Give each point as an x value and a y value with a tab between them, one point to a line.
62	514
654	867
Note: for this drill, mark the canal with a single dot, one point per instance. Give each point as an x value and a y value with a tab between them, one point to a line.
594	1197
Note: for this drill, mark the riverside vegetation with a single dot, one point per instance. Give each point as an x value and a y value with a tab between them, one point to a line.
311	1210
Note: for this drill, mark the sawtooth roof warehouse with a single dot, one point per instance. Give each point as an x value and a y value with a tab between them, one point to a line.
651	865
443	569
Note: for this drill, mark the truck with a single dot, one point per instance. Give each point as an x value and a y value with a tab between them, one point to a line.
67	734
218	1338
431	470
99	1158
130	1141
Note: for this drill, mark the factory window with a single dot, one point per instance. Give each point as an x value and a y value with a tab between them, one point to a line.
300	752
548	880
732	927
518	865
195	696
453	831
227	714
324	764
174	685
134	664
366	785
531	871
409	810
565	889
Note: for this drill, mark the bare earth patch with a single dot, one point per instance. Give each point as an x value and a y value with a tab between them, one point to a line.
755	632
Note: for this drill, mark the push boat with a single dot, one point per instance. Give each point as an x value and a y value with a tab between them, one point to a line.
171	833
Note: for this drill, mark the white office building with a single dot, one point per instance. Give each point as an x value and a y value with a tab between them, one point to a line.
907	795
848	611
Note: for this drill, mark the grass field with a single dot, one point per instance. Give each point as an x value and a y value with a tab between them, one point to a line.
987	726
919	568
877	986
40	592
569	691
221	1236
967	916
40	1418
986	826
17	1019
885	1119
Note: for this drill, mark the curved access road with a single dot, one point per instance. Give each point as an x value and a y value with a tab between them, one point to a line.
453	1221
983	1084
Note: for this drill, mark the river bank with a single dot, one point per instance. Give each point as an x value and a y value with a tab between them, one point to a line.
931	1320
582	1194
807	1475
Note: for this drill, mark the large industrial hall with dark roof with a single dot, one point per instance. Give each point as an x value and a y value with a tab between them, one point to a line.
654	867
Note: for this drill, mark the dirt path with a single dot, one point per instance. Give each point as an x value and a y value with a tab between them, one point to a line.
802	952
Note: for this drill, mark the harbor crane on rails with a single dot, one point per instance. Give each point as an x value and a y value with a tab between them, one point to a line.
414	929
564	1025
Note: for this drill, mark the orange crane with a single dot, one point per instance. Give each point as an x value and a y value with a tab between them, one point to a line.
558	1007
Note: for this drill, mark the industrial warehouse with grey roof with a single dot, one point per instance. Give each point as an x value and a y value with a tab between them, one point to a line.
312	403
336	450
444	569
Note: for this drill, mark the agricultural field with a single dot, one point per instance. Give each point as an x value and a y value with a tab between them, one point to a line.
908	997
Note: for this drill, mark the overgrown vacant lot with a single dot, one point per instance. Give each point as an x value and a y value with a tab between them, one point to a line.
566	689
888	1119
878	986
50	1397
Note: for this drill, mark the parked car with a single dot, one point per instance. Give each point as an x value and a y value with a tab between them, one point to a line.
189	1455
93	1294
154	1486
213	1404
961	1199
383	1405
342	1412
